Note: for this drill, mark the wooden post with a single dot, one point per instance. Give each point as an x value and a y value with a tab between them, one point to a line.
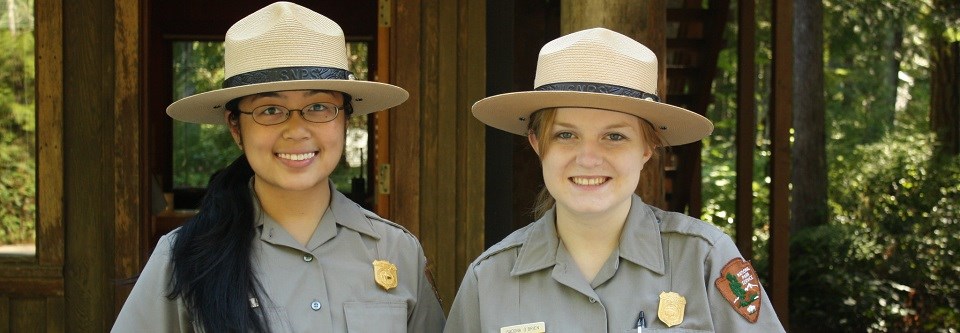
645	21
746	124
780	120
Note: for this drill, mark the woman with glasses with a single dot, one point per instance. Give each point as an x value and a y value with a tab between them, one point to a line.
275	247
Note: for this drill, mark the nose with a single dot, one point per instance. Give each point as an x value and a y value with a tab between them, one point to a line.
590	154
295	128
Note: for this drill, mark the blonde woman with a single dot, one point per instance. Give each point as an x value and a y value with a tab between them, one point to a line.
599	259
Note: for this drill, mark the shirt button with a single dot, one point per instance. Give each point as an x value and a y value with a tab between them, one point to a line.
308	257
315	305
593	300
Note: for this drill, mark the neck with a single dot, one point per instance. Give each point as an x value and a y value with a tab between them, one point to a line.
591	238
298	212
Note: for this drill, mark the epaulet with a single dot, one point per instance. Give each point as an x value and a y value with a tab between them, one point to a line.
515	239
672	222
374	217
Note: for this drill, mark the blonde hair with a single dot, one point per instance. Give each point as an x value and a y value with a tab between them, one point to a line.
540	123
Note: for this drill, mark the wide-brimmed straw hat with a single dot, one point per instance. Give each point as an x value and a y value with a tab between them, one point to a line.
285	46
595	68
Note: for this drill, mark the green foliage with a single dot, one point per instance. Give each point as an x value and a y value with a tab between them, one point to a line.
887	261
719	149
17	127
198	150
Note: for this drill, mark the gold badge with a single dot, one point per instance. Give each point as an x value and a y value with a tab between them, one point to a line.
671	307
739	285
385	274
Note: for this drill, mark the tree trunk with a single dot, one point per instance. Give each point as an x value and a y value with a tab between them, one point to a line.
644	21
12	16
944	85
809	202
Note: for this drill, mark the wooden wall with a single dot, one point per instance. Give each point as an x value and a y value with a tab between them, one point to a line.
437	147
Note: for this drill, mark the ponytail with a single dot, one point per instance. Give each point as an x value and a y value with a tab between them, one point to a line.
212	266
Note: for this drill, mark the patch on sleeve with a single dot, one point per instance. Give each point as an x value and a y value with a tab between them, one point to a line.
739	285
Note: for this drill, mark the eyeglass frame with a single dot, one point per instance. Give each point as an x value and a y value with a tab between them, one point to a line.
336	110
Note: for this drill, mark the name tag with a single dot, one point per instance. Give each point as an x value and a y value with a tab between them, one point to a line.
525	328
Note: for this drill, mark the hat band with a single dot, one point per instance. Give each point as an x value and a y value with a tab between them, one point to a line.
287	74
601	88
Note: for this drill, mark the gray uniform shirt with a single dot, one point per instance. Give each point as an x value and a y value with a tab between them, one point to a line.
529	277
326	286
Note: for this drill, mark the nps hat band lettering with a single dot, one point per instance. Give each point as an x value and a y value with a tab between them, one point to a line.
287	74
601	88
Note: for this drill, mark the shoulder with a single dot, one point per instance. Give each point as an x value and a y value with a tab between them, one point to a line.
386	229
683	225
507	246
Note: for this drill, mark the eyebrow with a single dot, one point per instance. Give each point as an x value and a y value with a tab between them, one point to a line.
277	94
612	126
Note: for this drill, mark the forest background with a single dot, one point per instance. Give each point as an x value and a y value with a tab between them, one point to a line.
876	179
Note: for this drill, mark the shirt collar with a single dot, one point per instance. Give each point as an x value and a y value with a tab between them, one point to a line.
342	211
639	241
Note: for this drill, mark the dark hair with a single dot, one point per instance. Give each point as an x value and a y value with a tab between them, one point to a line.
212	263
540	123
212	266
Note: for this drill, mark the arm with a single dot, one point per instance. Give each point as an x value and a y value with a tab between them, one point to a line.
725	258
427	315
465	312
148	309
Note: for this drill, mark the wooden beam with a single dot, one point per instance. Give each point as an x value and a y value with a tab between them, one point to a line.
781	116
128	143
746	124
49	54
381	146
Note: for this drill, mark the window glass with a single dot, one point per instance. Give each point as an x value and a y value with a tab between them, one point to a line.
18	213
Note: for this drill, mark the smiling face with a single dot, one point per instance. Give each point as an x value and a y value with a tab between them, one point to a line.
592	158
296	155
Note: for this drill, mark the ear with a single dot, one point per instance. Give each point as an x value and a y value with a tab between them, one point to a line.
234	128
532	138
647	153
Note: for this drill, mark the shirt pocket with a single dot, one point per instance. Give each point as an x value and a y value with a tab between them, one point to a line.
380	317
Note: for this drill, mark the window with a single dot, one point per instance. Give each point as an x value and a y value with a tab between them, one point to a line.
200	150
18	120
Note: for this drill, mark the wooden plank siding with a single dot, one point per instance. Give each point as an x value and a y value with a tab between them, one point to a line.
128	213
437	146
89	170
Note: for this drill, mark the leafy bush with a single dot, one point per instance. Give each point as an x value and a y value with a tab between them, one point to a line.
17	138
890	261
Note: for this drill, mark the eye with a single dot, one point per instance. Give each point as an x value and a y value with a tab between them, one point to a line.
564	135
616	137
270	110
317	107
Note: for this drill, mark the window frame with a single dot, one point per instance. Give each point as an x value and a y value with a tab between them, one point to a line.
41	274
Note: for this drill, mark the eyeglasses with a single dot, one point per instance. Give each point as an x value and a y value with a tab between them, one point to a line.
275	114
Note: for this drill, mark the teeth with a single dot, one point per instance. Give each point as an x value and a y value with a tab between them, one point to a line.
296	157
589	181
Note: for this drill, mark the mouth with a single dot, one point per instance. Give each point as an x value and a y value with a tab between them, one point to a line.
296	157
589	181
